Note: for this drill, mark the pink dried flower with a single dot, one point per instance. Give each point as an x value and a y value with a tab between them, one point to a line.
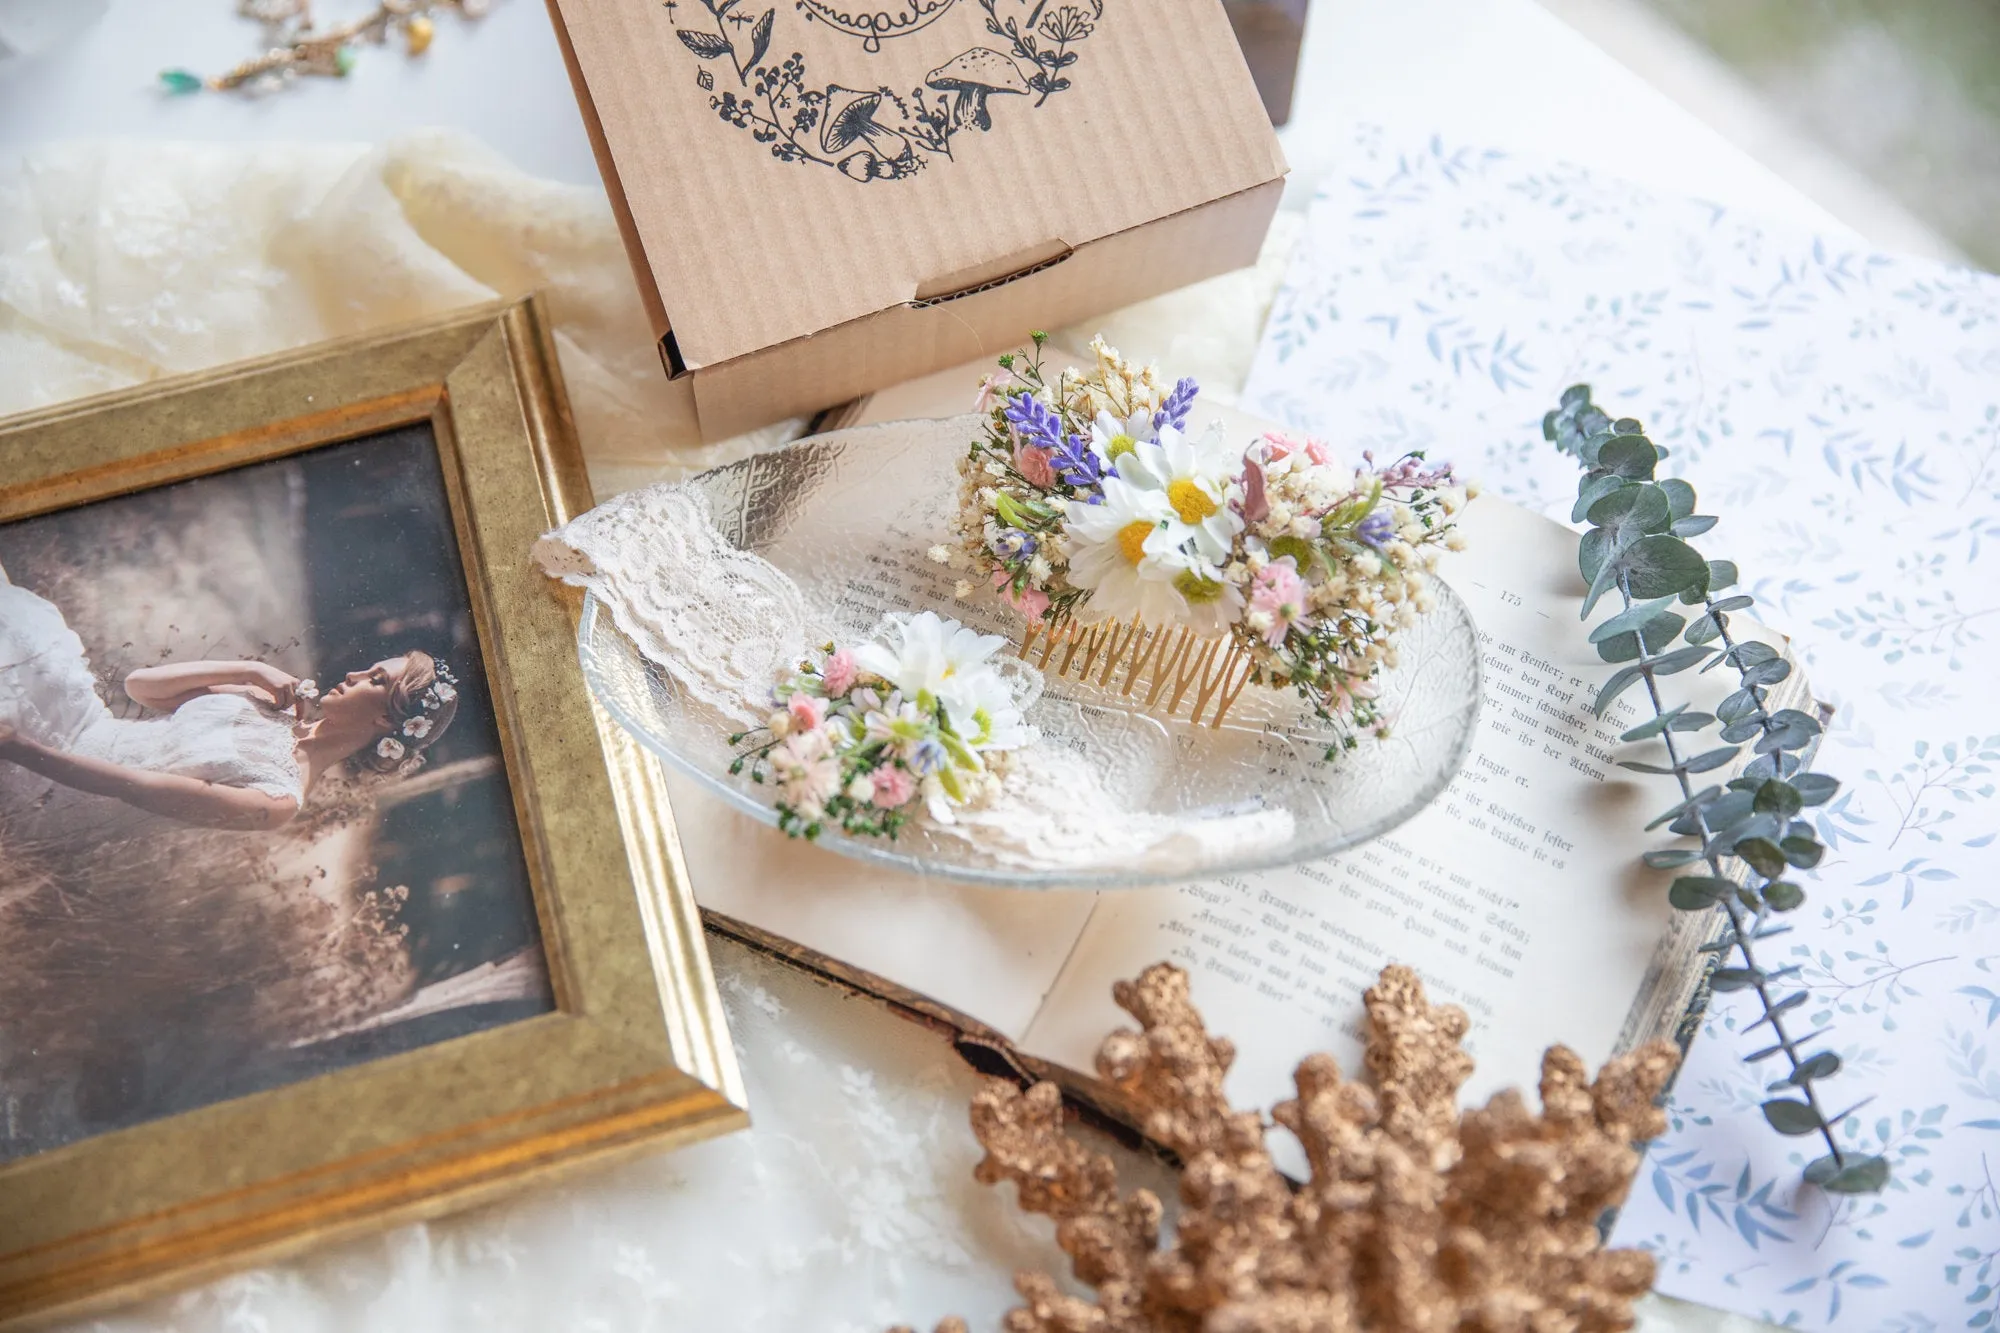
839	673
1280	594
893	787
1278	445
1256	505
993	390
807	711
1318	453
1035	464
1030	602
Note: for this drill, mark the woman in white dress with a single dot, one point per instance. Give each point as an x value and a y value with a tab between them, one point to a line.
232	745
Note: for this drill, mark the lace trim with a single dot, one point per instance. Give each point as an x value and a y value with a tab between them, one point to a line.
720	620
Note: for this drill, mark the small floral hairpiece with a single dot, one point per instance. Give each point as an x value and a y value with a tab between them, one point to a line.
442	691
391	749
306	691
919	720
1097	510
417	727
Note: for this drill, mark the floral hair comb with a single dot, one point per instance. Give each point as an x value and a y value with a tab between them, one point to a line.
1178	567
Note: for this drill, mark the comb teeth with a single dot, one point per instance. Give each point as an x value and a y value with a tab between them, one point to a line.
1177	666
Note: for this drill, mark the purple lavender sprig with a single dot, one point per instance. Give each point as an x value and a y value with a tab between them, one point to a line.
1076	465
1174	412
1035	422
1376	530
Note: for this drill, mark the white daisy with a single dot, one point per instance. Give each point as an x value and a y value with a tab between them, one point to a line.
927	653
1119	549
1213	602
1195	477
1112	439
985	716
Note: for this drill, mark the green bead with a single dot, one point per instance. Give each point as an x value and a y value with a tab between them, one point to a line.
343	61
179	82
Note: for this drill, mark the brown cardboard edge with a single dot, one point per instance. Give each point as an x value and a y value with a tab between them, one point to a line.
798	378
607	171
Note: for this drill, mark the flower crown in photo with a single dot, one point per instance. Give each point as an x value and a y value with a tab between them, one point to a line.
1178	566
417	728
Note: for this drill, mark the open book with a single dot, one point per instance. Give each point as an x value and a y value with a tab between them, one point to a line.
1518	894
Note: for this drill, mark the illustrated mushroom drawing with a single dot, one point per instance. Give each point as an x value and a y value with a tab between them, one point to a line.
850	120
974	77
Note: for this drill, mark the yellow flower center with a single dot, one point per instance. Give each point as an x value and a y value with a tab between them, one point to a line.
1190	501
1197	589
1120	445
1132	541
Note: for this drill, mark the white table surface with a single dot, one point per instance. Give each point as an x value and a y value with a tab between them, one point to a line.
1499	71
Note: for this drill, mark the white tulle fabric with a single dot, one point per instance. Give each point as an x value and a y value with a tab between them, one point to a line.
47	692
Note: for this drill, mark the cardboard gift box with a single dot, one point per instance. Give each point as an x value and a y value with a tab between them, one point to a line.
822	198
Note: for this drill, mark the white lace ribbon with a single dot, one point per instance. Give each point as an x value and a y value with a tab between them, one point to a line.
721	621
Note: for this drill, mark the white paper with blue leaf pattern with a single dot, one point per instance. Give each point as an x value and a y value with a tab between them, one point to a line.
1840	411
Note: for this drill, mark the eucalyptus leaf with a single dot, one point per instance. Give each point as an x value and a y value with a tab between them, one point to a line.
1727	979
1672	858
1815	788
1778	798
1802	853
1823	1065
1629	456
1722	574
1861	1175
1707	629
1660	565
1784	896
1740	602
1712	759
1792	1118
1742	730
1591	554
1661	722
1693	802
1658	633
1764	856
1679	660
1767	673
1632	618
1680	497
1591	490
1790	730
1693	525
1691	893
1736	707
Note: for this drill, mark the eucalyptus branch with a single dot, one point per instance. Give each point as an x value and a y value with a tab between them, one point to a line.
1748	833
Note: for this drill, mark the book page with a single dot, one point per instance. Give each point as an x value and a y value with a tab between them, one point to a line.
990	954
1517	895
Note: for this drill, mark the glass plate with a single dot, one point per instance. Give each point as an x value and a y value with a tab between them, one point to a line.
850	520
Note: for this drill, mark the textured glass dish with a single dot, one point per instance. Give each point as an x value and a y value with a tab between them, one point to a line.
849	518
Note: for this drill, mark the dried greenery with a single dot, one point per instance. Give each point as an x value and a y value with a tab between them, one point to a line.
1414	1217
1747	835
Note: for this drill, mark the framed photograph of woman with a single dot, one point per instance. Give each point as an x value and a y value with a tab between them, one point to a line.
328	898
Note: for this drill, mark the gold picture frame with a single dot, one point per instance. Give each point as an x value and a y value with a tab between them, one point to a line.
635	1054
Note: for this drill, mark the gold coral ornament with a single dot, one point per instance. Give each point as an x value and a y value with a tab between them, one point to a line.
1415	1218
